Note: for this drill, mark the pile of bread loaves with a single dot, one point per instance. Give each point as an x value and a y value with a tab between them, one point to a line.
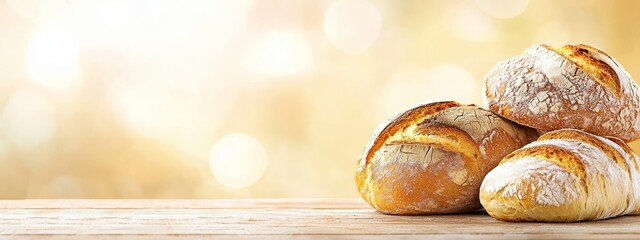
446	157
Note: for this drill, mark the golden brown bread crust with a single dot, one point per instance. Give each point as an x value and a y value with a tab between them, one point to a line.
597	69
565	176
607	149
405	119
557	155
578	87
432	158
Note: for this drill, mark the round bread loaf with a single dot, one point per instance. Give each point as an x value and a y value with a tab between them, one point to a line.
578	87
432	158
565	176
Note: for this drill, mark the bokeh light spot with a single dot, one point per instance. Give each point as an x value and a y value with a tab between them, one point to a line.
352	25
52	58
280	54
29	119
238	160
155	106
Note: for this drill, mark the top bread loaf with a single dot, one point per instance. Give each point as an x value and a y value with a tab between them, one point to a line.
578	87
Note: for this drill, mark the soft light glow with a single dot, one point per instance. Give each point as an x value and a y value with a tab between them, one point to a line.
503	8
65	186
155	106
279	54
238	160
109	22
115	14
144	107
3	150
39	11
29	119
352	25
52	58
139	26
110	15
470	24
554	33
411	86
224	19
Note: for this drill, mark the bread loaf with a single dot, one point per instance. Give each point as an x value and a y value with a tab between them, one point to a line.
579	87
432	158
565	176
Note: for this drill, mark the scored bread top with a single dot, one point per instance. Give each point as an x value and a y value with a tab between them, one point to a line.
592	61
432	158
574	86
401	122
548	149
592	140
566	175
448	125
422	124
560	156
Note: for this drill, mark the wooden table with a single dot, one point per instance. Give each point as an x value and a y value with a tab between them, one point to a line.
272	219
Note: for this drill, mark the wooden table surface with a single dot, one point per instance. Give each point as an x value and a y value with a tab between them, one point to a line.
272	218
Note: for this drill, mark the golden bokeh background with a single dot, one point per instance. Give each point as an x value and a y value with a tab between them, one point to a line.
235	99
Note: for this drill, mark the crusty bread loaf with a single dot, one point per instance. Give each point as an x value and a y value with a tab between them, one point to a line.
432	158
577	87
565	176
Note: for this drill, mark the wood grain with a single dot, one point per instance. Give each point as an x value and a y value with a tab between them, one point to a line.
273	218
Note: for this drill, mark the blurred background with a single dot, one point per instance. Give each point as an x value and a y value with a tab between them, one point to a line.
239	98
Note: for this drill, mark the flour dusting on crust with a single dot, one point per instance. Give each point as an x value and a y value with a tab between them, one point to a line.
434	161
536	188
544	182
542	89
